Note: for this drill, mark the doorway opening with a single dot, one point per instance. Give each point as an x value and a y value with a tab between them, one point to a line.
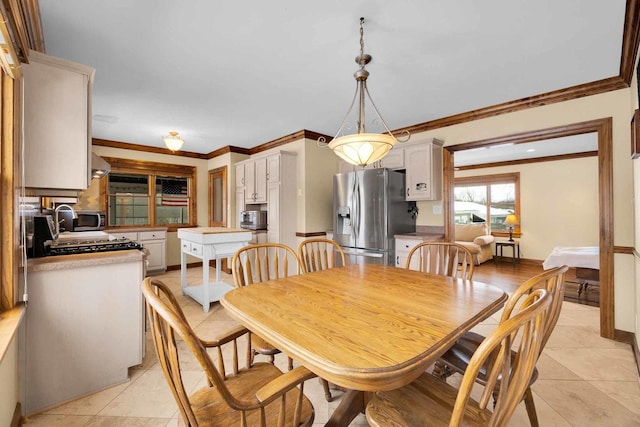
603	129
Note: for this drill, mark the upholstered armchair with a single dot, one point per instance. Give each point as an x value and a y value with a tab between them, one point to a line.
475	237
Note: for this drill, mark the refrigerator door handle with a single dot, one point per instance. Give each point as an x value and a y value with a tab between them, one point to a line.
356	208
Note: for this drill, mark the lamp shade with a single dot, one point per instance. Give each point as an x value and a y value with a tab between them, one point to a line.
511	220
173	141
362	149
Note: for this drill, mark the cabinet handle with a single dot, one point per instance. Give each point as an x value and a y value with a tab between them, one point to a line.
242	181
267	175
397	259
407	191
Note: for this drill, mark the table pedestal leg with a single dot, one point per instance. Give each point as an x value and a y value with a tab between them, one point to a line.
351	405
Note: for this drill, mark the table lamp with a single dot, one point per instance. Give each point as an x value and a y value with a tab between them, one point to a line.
511	221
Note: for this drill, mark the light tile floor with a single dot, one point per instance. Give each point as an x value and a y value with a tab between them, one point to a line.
585	380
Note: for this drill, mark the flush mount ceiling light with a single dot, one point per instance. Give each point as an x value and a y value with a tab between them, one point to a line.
362	148
173	141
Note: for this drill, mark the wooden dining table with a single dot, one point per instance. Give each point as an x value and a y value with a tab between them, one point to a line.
363	327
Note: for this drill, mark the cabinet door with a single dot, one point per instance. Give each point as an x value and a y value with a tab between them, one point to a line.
260	180
273	214
273	169
418	176
240	197
240	175
250	182
57	130
403	247
157	255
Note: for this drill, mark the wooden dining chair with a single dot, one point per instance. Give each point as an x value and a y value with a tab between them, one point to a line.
260	263
320	254
257	395
430	401
458	357
316	255
443	258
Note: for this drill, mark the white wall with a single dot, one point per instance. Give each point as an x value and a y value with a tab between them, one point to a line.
566	216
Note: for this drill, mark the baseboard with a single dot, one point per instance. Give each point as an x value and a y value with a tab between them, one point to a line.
17	420
636	352
623	336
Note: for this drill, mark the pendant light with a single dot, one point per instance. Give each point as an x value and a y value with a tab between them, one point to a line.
362	148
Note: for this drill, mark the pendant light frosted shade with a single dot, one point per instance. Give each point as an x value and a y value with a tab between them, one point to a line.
363	148
173	141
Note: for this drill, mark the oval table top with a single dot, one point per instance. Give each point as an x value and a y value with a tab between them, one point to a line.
364	327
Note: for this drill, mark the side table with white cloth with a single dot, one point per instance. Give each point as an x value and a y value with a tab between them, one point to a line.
209	243
585	259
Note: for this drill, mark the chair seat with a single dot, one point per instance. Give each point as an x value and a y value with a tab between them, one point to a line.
459	355
261	346
211	409
427	401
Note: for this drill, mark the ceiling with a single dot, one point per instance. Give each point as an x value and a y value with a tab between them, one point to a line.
245	73
530	150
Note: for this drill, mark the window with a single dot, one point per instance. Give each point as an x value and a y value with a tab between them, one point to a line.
491	197
139	193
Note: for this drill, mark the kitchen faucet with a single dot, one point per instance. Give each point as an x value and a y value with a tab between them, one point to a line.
73	215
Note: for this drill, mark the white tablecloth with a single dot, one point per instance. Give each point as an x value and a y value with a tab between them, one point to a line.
585	257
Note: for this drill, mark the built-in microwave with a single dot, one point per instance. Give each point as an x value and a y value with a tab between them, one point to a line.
89	221
253	220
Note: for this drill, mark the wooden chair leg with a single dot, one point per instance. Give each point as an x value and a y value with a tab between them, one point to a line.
531	407
442	371
289	363
327	391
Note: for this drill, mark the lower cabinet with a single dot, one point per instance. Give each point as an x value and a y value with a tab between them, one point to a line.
405	244
403	247
84	327
155	241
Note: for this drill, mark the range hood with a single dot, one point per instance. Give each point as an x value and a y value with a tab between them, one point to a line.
99	166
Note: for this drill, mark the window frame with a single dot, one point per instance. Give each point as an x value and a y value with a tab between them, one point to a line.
152	170
488	180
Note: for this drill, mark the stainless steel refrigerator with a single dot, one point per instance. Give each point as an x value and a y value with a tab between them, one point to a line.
369	210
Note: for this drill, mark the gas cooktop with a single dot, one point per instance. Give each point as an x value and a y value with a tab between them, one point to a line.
89	246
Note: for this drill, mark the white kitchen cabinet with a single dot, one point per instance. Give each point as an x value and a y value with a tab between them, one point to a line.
393	160
239	174
405	244
403	247
155	241
423	162
282	202
84	327
239	204
255	180
273	214
57	123
273	168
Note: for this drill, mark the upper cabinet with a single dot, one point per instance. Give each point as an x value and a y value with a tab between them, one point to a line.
423	162
57	123
252	176
393	160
